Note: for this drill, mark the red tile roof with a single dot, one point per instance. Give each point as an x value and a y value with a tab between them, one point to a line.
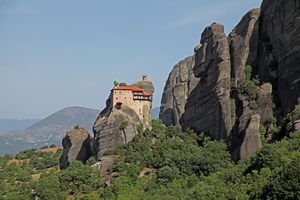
132	88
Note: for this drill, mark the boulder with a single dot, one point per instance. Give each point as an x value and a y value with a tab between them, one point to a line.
180	83
76	146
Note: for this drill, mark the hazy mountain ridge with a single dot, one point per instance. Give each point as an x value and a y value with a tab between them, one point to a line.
49	130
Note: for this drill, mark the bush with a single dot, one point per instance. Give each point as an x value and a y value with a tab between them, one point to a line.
248	72
123	125
123	84
293	116
248	88
52	146
76	127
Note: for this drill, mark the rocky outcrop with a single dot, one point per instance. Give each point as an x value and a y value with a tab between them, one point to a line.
147	85
245	137
208	107
118	125
251	141
278	58
180	83
243	44
76	146
248	140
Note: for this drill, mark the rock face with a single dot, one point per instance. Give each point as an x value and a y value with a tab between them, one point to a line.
264	102
180	83
108	131
278	58
243	44
208	107
76	146
248	140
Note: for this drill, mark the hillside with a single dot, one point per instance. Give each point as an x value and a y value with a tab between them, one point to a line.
49	130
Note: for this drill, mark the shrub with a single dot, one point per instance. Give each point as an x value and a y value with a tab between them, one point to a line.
123	125
123	84
52	146
248	72
116	83
77	126
248	88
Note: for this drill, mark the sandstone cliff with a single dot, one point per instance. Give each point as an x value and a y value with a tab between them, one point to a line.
180	83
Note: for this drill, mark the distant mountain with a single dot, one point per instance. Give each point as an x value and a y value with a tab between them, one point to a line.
155	113
49	130
15	124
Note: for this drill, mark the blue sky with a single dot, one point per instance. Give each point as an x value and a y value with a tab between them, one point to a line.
59	53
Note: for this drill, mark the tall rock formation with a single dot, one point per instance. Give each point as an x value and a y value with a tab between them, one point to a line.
117	124
279	49
208	107
180	83
243	44
213	106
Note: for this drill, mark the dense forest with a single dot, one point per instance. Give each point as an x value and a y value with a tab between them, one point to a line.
162	163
